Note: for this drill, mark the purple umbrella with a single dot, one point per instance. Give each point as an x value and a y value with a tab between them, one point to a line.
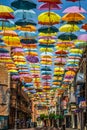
83	37
32	59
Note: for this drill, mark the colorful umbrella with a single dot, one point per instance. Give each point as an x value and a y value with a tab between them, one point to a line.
82	37
32	59
8	33
28	41
65	36
7	25
27	34
48	18
48	29
24	22
84	26
24	14
26	28
4	9
49	6
73	17
74	9
69	28
23	4
6	15
50	1
12	41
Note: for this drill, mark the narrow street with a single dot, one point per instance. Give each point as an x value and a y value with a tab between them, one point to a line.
46	128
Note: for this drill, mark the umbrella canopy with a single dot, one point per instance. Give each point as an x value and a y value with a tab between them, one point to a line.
23	4
3	50
32	59
26	28
84	26
28	41
8	33
6	15
69	28
4	9
73	17
24	14
12	41
50	1
50	6
82	37
7	25
65	36
48	29
24	22
48	18
27	34
74	9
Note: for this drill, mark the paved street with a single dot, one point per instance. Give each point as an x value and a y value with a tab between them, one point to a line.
51	128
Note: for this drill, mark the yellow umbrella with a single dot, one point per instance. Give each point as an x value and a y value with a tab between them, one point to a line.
73	17
4	9
46	49
51	41
47	34
12	41
76	51
48	18
7	28
69	28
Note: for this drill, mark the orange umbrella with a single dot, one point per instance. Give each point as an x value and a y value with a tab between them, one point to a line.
8	33
26	28
73	17
6	15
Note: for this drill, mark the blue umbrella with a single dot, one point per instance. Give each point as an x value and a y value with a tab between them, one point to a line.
24	14
73	65
45	45
23	4
3	50
48	29
7	23
28	41
27	34
74	54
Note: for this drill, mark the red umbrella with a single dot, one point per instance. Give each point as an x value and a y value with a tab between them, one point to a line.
50	6
46	77
73	0
51	1
61	52
6	15
84	26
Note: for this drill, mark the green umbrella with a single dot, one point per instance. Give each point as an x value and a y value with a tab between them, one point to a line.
67	36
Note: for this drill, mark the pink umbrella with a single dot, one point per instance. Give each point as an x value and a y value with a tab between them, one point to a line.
17	50
74	9
50	6
60	60
47	37
83	37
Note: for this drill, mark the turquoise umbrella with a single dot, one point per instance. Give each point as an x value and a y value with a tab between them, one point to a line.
27	34
21	14
23	4
67	36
